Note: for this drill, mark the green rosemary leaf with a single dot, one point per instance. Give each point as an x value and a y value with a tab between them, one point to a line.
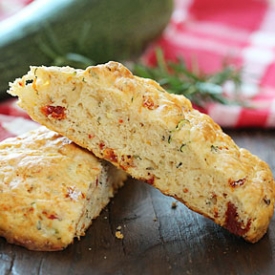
176	77
161	61
74	60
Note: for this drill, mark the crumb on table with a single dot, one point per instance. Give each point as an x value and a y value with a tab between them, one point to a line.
174	205
119	235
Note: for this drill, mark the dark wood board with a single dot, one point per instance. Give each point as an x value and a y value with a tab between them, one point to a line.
158	237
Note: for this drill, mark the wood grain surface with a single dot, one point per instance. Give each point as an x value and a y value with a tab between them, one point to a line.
160	236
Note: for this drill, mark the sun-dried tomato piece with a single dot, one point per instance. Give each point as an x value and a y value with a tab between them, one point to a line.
236	183
109	154
232	223
149	103
150	180
57	112
126	162
50	216
101	145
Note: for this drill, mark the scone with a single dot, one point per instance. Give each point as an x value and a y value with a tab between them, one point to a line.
156	137
51	189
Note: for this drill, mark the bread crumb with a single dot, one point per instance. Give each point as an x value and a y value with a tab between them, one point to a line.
174	205
119	235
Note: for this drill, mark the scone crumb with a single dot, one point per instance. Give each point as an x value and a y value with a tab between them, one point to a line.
174	205
118	233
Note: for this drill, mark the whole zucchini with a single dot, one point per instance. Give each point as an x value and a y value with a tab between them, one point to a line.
100	30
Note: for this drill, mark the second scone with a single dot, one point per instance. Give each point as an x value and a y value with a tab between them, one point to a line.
51	189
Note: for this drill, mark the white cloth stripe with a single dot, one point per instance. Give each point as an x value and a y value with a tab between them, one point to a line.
19	125
218	31
271	116
268	24
263	39
182	39
259	54
255	63
227	116
180	13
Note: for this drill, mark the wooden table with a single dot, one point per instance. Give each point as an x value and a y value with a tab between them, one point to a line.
160	237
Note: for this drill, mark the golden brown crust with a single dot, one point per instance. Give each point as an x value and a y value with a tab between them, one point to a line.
156	137
50	190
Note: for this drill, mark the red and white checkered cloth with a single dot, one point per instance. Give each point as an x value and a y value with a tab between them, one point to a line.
13	121
243	31
208	31
10	7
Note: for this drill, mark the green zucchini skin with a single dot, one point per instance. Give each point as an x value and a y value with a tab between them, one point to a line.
101	30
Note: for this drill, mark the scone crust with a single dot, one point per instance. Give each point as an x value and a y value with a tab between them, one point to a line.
156	137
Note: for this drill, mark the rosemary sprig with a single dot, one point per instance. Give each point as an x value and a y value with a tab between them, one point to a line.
200	88
58	56
174	77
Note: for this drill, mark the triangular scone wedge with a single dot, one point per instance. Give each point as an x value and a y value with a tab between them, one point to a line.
51	189
156	137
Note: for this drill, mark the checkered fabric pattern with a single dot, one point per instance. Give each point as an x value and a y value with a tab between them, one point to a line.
10	7
211	31
208	31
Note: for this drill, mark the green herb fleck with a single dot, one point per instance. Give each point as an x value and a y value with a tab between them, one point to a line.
182	147
98	120
214	148
38	225
137	157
